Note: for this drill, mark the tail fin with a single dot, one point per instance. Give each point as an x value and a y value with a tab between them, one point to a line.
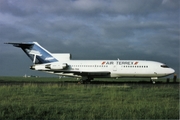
35	52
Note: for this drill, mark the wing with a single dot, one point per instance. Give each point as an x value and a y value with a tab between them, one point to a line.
87	73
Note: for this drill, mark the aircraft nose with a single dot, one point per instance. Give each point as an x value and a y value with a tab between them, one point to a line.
171	71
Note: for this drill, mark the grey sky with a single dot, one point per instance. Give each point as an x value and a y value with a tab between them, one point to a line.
90	29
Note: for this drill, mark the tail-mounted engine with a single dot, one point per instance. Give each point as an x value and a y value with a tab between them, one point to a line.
56	66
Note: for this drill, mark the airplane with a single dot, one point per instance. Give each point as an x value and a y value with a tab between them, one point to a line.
61	64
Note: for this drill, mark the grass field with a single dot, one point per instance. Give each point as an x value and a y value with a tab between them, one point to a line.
77	101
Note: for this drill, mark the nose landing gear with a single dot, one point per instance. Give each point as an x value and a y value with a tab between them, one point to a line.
153	79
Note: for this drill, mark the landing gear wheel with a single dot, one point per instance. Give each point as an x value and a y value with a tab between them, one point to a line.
153	79
86	80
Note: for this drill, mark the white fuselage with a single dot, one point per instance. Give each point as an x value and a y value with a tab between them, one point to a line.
117	68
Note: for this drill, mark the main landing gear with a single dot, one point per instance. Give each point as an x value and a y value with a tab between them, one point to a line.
86	80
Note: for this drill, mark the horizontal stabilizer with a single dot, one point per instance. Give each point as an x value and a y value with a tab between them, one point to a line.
21	44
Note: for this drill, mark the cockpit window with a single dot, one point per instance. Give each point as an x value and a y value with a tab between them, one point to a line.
164	66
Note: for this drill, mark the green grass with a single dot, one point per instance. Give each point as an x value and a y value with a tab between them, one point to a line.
73	101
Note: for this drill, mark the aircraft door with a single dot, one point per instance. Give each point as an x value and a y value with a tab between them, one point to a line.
115	66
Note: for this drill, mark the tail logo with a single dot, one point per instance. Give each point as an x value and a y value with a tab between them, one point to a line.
34	52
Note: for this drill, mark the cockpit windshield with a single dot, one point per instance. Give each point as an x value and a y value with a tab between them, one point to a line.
164	66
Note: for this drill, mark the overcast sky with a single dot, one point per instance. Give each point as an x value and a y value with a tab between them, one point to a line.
90	29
